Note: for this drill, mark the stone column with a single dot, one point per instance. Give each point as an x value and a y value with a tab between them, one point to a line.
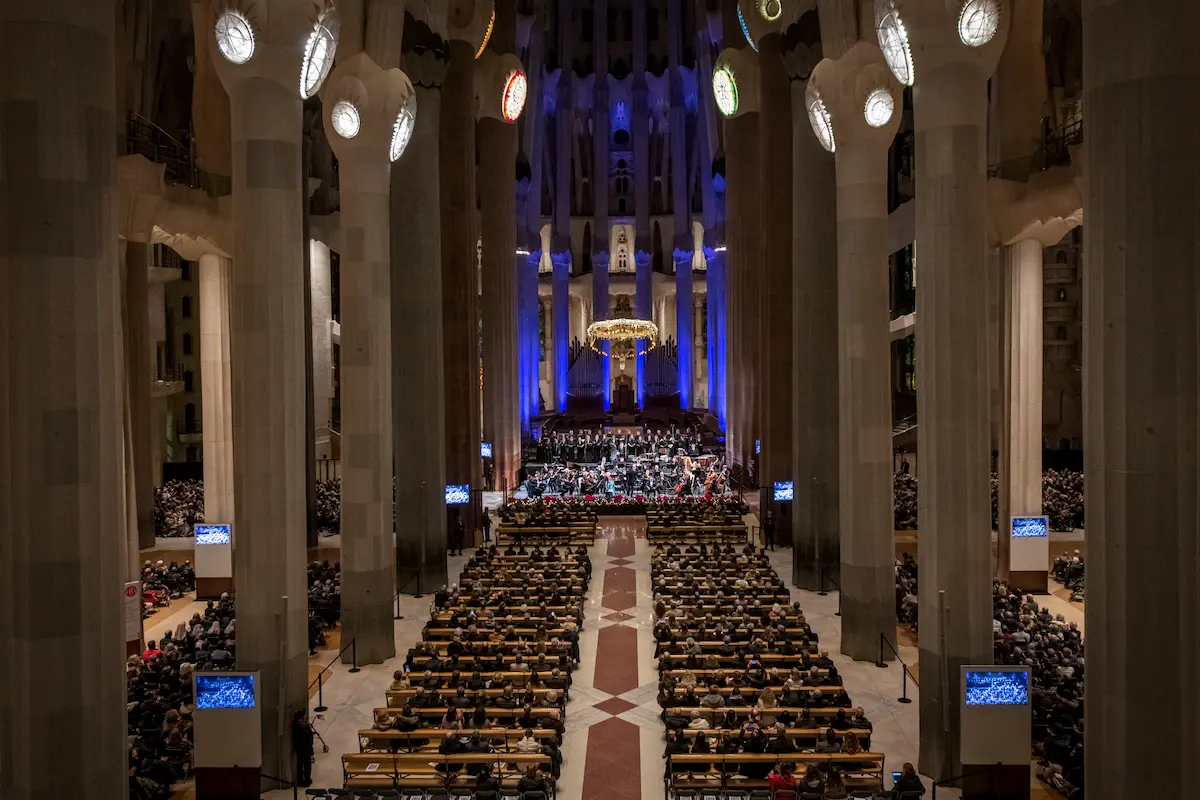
854	99
774	320
1020	472
216	302
743	162
1018	94
498	155
138	381
366	375
644	274
62	523
321	278
816	540
460	275
417	409
1140	374
560	286
715	279
601	232
267	355
950	109
681	209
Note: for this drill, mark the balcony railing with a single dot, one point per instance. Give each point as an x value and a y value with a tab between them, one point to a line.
1053	151
144	138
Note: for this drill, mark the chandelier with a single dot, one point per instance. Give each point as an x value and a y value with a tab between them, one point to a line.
622	336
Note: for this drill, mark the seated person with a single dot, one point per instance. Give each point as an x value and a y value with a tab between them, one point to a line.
782	779
909	783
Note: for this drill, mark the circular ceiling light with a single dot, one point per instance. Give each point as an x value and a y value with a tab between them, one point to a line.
893	41
514	95
822	123
235	37
345	119
879	108
771	10
725	91
487	35
402	130
319	52
978	22
745	30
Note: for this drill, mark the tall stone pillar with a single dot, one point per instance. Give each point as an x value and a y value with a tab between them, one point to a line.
601	135
1140	387
743	161
417	408
460	274
851	105
497	189
267	353
561	298
216	302
1018	93
773	319
321	279
816	540
1020	472
62	523
715	294
138	380
950	79
364	155
644	274
683	326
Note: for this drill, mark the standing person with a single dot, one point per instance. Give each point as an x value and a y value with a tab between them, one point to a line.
302	746
768	527
487	526
456	541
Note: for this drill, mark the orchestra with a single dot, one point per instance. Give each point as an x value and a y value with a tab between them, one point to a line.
607	464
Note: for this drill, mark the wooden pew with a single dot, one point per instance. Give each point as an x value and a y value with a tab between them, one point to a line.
398	697
403	770
725	766
372	740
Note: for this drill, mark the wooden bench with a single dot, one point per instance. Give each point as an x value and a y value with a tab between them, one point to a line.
419	770
526	633
517	678
398	697
696	532
768	659
574	533
723	766
744	711
792	733
371	739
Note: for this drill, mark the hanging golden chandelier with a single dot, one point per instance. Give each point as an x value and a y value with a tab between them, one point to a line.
623	336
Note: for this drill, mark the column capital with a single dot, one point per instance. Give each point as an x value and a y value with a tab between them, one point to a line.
923	36
854	100
139	196
368	110
291	43
1044	208
600	259
642	259
500	87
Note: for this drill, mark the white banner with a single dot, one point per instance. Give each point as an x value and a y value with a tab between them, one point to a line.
133	611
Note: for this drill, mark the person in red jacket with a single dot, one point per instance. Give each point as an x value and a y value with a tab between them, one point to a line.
782	778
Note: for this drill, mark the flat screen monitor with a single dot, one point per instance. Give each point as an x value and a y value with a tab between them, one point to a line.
212	534
757	446
783	491
458	494
485	449
225	691
1030	527
986	688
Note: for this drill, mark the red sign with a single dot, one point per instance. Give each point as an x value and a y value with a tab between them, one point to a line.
131	590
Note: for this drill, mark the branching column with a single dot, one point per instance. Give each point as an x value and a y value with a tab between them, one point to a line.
418	411
267	352
852	106
950	109
216	301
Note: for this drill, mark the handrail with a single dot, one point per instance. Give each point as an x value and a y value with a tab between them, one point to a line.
906	677
320	682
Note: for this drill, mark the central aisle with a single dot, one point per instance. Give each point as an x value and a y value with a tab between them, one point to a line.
614	741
